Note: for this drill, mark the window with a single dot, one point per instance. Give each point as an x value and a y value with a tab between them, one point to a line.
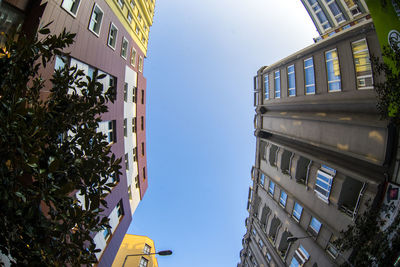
134	93
142	123
142	97
111	84
277	84
112	132
120	209
106	233
142	149
337	13
140	64
112	36
95	20
354	9
121	3
297	211
333	70
262	179
129	17
126	92
271	187
125	127
362	64
266	86
320	14
309	76
133	125
114	177
133	57
134	152
300	257
268	257
254	232
291	81
60	63
323	185
143	262
71	6
137	29
315	226
133	4
146	249
139	17
144	173
283	198
261	243
124	48
331	248
127	161
143	39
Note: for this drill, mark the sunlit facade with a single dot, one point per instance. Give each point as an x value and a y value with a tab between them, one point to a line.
133	245
333	16
112	38
322	151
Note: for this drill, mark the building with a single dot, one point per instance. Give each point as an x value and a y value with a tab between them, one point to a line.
112	37
132	245
333	16
322	151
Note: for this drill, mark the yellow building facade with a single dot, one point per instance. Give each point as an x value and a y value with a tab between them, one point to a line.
132	245
137	18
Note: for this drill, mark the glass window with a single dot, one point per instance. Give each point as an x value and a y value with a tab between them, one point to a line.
254	233
124	48
297	211
134	125
133	57
143	262
333	70
95	20
362	64
125	92
146	249
120	210
261	243
112	132
106	233
71	6
125	127
283	198
140	64
294	263
291	81
133	3
129	17
60	63
266	86
271	187
323	185
121	3
277	84
127	161
268	257
262	179
309	76
315	225
112	36
337	13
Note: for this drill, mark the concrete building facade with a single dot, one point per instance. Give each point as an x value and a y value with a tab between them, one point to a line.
111	37
322	152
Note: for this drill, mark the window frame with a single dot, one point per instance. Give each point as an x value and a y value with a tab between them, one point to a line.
271	187
112	25
266	86
324	182
124	41
146	249
283	198
140	64
333	65
290	89
313	219
262	179
69	11
355	69
101	21
133	55
294	212
143	262
120	3
129	17
306	86
277	92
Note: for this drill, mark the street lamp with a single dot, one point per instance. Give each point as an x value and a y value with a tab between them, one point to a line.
161	253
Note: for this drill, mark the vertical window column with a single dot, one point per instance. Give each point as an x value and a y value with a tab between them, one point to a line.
333	70
291	81
309	76
362	64
277	84
266	86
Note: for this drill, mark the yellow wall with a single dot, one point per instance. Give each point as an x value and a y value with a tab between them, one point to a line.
139	28
134	244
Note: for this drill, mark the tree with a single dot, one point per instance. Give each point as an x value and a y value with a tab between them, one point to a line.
388	91
371	243
50	150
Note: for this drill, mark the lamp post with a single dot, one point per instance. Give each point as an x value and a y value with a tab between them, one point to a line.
161	253
293	239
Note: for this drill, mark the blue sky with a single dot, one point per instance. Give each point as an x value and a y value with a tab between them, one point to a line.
201	60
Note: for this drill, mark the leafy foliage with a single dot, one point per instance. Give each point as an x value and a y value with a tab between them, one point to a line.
388	91
42	223
372	244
